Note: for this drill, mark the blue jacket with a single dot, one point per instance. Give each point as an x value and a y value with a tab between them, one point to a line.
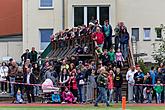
153	75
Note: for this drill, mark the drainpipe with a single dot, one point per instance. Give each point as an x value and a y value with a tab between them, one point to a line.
63	14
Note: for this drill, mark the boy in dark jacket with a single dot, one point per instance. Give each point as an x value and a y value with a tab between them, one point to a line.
118	81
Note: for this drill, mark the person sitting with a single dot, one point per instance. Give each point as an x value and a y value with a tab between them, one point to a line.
67	96
19	97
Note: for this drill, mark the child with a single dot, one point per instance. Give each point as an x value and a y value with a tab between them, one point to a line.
67	96
110	86
119	59
158	88
56	97
19	97
148	89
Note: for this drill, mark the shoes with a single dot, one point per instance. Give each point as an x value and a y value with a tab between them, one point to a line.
96	105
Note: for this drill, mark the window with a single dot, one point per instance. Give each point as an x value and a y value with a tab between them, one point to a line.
135	33
147	32
91	13
85	14
78	16
45	37
104	14
46	3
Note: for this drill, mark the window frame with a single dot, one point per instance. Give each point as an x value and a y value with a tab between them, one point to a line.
46	8
137	39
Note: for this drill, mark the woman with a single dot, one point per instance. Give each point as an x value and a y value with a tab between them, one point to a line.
111	85
73	85
64	78
3	74
36	72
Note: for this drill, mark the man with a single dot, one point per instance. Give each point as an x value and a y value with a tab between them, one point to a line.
102	85
33	55
107	30
13	69
105	58
130	79
139	78
25	56
29	79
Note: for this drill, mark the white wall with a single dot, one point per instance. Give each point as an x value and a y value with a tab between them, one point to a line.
35	19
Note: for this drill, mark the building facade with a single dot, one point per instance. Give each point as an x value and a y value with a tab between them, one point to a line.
10	29
41	18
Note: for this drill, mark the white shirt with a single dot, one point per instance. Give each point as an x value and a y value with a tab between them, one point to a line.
3	73
28	78
130	76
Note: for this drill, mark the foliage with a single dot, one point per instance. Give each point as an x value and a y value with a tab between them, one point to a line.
143	67
159	54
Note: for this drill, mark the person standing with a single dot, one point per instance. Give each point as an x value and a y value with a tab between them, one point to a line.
130	79
158	88
33	55
25	56
3	75
139	78
118	81
13	69
111	85
29	79
102	86
107	30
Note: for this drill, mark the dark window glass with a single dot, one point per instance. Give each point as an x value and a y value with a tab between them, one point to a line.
78	16
104	14
91	12
135	32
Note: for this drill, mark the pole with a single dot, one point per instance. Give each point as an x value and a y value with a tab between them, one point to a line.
123	103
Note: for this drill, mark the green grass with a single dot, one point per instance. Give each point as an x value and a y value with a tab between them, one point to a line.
81	108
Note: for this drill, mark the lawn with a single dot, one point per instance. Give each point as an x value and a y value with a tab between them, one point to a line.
81	108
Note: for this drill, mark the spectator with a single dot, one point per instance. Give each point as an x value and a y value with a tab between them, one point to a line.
107	30
124	41
130	79
148	89
118	81
158	88
29	79
111	86
3	77
33	55
153	75
73	85
13	69
119	59
19	97
80	81
98	37
139	78
105	58
112	56
102	84
161	77
67	96
26	56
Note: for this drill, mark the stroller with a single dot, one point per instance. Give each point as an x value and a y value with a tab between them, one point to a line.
50	93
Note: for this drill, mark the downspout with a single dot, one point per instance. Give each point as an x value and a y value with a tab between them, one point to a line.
63	14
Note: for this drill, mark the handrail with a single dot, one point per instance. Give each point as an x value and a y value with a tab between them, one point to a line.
131	60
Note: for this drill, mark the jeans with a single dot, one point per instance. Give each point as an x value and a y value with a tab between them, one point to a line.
162	95
118	94
4	86
138	94
108	43
111	98
124	50
12	79
81	93
158	96
149	97
36	90
130	92
102	95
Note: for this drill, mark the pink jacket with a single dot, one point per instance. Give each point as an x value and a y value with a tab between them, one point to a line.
110	82
68	96
119	56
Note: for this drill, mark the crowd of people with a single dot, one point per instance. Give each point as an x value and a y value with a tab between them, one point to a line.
82	80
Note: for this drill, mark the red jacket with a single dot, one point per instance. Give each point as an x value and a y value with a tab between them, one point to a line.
99	36
110	82
73	83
